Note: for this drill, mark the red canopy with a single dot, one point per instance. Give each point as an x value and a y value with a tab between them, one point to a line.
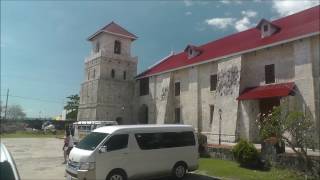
267	91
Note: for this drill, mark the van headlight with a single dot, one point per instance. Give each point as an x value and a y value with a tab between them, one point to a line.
87	166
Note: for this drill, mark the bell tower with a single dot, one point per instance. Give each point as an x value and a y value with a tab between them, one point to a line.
108	87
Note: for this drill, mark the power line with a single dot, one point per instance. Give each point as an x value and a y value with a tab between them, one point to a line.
36	99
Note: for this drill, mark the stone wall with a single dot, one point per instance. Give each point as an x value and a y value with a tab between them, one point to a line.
293	63
225	100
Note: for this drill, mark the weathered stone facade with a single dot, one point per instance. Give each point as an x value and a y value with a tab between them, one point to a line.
216	113
296	61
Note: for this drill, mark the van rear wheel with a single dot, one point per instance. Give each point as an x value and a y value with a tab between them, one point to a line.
116	175
179	171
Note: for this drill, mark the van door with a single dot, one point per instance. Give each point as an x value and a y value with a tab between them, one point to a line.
116	155
149	155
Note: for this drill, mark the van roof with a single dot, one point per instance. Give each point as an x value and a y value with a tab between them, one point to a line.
112	129
95	122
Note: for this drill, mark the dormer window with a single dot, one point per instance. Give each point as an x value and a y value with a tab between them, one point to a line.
192	51
117	47
267	28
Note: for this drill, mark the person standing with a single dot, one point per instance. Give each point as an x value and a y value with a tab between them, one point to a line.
66	146
70	144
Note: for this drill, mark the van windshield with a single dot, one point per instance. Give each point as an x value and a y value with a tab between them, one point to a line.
91	141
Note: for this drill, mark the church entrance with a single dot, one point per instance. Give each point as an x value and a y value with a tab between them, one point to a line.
143	114
266	105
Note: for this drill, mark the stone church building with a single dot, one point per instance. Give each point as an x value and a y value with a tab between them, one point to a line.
219	87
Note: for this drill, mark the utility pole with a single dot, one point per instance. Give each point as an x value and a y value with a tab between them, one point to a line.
5	112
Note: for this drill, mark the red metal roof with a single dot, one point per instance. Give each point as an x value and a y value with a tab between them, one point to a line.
293	26
267	91
114	28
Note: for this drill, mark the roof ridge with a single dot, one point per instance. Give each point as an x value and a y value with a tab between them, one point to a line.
248	40
114	28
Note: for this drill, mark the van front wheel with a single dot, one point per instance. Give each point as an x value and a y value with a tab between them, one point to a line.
116	175
179	171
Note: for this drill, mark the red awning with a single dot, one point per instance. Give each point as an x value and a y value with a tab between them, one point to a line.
267	91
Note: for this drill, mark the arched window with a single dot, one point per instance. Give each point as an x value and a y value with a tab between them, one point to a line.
124	75
117	47
113	73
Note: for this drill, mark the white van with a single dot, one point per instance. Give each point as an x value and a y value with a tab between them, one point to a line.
134	151
83	128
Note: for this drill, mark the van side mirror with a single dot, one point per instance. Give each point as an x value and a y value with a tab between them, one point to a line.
103	149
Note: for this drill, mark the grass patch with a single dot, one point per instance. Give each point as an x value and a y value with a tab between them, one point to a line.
231	170
27	134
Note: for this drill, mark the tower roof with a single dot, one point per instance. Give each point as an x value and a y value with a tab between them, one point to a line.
114	28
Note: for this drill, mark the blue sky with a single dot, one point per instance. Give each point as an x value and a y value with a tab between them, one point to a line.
43	44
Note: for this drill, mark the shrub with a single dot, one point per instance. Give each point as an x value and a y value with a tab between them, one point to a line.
246	154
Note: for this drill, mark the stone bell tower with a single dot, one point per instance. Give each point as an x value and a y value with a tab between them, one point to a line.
108	88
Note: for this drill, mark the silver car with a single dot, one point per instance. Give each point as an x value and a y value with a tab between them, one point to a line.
8	167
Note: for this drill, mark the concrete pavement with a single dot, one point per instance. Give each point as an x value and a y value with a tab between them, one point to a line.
41	159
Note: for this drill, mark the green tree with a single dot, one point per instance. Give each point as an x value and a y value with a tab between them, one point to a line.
294	128
15	112
72	106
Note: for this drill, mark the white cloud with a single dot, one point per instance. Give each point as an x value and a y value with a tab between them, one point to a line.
243	24
196	2
287	7
249	13
240	24
231	1
188	13
220	23
188	2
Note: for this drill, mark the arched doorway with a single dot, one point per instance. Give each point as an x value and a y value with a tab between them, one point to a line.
143	114
119	120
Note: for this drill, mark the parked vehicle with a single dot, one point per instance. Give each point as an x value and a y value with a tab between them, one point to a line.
8	168
83	128
135	151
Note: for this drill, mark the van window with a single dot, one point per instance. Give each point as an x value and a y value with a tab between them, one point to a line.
91	141
185	139
148	141
117	142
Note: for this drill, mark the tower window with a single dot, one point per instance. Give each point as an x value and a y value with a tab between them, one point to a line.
113	73
94	73
97	47
124	75
117	47
269	73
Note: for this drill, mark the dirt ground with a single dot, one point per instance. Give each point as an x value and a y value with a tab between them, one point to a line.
37	158
41	159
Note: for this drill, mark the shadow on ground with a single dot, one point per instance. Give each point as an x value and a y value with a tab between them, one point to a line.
192	177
